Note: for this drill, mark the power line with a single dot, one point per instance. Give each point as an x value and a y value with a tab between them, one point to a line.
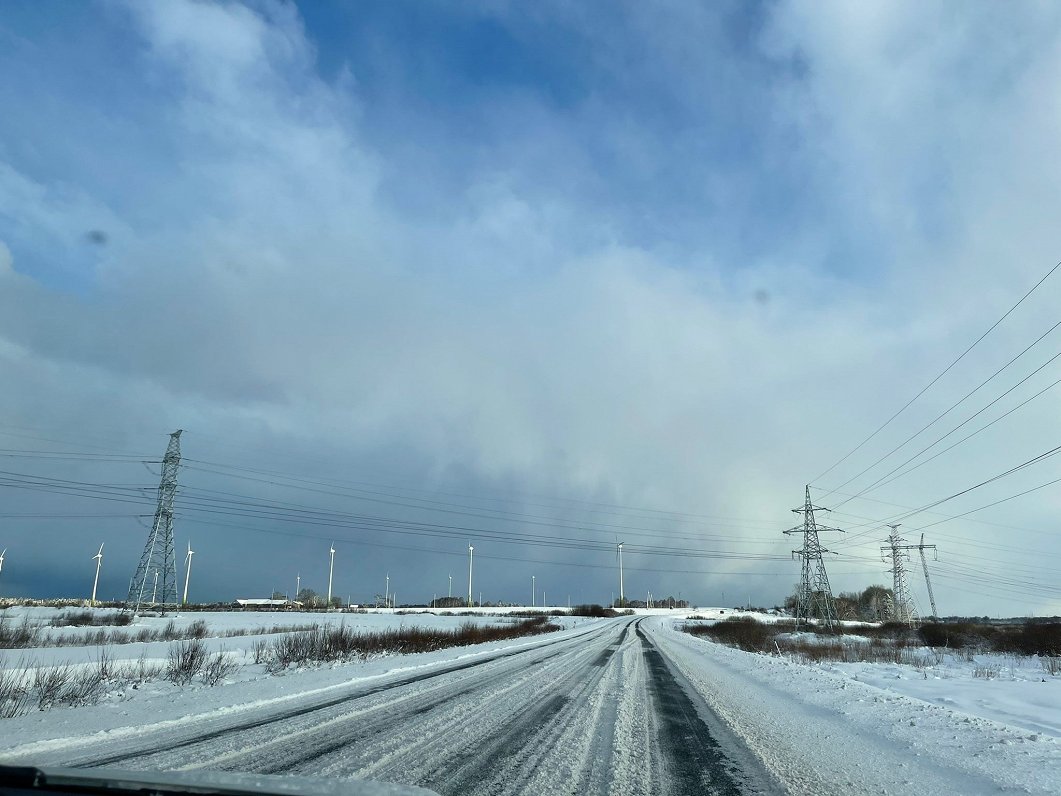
881	482
947	411
944	372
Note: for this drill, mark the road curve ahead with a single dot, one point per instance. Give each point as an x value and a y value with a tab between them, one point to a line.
601	712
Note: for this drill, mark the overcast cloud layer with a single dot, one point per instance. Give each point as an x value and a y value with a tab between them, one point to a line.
659	256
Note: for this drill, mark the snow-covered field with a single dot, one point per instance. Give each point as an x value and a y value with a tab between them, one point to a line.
580	706
857	728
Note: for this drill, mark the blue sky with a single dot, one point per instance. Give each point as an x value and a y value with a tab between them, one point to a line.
654	255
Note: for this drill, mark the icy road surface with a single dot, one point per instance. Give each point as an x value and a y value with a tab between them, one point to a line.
592	710
624	706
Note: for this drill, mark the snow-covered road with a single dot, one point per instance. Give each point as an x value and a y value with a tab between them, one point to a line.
594	710
624	706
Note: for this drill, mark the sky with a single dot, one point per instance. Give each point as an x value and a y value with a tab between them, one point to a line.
535	277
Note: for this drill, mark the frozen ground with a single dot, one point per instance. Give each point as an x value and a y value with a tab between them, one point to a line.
630	705
1009	689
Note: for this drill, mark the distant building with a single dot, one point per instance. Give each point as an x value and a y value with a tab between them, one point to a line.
263	604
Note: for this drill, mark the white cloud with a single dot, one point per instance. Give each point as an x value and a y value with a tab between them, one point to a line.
529	343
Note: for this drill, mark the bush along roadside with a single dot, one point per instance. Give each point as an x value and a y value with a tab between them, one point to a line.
892	642
26	686
330	644
27	634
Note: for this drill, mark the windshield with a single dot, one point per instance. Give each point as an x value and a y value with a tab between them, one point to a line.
633	397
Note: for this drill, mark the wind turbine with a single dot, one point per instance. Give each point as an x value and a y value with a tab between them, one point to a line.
99	562
471	553
619	553
532	591
2	554
331	569
188	573
450	585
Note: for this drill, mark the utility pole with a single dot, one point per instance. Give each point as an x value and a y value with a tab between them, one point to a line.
158	552
188	573
924	563
815	595
902	609
331	569
619	552
99	562
471	552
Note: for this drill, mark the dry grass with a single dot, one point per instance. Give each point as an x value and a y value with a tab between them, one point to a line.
896	643
27	634
331	644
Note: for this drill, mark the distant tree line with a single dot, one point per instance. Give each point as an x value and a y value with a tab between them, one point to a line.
871	605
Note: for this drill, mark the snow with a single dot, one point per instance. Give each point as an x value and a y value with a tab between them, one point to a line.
844	728
573	709
1019	692
218	624
132	710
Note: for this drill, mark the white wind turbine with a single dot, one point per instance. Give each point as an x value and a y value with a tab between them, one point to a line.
99	562
331	569
188	572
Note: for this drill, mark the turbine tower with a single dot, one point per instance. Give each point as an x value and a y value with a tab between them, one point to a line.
471	553
619	553
815	595
188	572
99	561
158	555
331	569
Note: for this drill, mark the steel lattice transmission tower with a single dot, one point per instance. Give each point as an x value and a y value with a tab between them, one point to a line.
815	596
158	560
902	607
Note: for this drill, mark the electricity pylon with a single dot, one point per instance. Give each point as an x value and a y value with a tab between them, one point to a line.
815	595
902	607
896	547
158	555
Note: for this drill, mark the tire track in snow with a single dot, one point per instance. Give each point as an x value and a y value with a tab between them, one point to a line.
695	760
182	741
463	742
